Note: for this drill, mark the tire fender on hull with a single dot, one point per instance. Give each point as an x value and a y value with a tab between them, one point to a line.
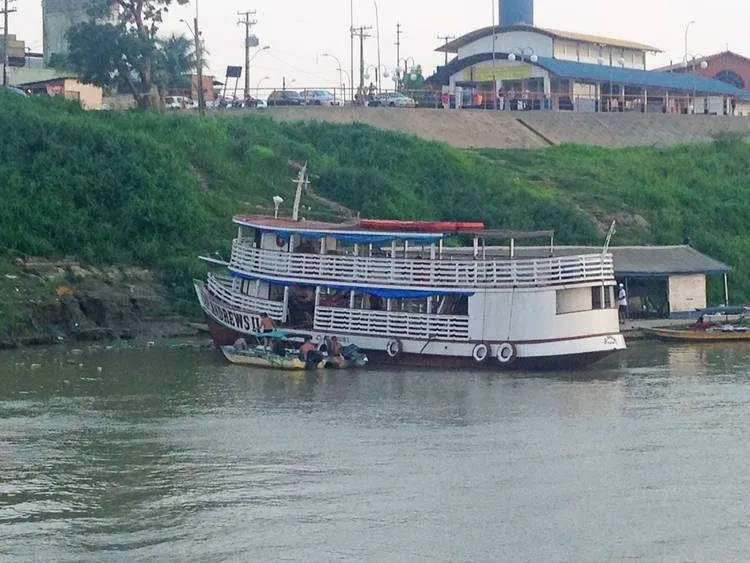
394	348
506	353
480	353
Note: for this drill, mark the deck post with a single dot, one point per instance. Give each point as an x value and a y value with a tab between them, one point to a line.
726	290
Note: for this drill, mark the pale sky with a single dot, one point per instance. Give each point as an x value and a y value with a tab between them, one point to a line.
299	31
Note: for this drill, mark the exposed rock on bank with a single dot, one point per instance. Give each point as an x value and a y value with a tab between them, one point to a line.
48	302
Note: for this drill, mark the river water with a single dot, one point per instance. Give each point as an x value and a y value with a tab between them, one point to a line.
168	453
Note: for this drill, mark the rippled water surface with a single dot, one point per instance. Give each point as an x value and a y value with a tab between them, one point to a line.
171	454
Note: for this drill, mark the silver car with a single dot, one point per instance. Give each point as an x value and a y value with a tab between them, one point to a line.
319	98
392	99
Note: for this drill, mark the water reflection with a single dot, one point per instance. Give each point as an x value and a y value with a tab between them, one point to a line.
158	453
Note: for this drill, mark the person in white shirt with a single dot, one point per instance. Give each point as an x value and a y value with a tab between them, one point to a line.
622	303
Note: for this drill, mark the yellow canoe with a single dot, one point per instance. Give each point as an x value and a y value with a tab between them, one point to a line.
714	334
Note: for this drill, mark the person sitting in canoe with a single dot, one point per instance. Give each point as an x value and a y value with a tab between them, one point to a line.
308	353
702	323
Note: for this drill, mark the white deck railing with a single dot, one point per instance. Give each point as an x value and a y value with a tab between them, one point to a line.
445	273
222	288
391	324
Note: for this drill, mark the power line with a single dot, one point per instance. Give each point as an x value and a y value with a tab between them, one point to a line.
5	11
361	32
398	54
248	23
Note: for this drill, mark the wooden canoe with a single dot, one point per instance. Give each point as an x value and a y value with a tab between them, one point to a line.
717	334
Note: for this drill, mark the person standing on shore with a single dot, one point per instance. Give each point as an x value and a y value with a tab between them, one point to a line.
622	304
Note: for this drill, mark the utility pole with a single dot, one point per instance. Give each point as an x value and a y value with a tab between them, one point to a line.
361	31
199	64
446	38
398	55
351	48
248	23
5	12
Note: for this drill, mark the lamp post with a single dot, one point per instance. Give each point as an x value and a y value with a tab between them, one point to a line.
341	71
406	70
521	54
198	59
377	38
257	86
687	27
250	59
698	62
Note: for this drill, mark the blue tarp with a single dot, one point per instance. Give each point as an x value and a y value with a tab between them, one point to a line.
356	238
384	292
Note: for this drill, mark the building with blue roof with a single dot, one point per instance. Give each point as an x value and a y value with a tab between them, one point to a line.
536	68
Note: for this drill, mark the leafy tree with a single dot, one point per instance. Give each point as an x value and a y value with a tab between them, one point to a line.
125	53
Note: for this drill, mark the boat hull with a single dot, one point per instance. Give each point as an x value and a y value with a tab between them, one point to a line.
548	357
688	335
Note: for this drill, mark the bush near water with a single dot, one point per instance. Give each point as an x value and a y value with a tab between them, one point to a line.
154	191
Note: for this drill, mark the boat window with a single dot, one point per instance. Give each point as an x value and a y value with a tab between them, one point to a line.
596	297
573	300
609	298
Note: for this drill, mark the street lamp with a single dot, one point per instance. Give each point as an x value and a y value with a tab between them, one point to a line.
521	54
341	71
257	86
377	35
258	52
699	62
687	27
406	70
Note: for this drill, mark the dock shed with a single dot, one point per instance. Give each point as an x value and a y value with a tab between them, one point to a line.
666	281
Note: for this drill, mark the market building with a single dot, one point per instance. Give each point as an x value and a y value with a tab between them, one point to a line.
536	68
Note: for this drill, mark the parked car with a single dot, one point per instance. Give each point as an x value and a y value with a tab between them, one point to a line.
177	102
392	99
284	98
319	98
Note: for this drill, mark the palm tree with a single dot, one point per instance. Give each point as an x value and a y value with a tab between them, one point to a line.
176	62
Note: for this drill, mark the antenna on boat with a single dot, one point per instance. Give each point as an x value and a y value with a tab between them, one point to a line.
277	201
609	237
301	183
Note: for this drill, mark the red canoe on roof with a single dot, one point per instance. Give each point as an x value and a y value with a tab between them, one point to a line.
420	226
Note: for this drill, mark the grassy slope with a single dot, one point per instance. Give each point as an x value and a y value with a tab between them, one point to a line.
157	190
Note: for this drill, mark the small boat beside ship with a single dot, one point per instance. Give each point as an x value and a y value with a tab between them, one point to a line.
416	292
279	350
715	324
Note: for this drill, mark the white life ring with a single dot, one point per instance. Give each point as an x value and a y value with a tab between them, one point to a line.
506	353
479	353
393	348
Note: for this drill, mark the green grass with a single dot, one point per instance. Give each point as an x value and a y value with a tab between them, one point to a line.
157	190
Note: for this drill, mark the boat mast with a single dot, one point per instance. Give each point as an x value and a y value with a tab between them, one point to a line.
301	182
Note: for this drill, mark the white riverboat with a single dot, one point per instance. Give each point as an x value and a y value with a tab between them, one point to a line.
404	293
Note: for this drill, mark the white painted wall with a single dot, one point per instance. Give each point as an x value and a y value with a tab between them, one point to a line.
687	293
510	42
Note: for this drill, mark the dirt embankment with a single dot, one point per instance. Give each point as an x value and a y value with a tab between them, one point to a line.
526	129
51	302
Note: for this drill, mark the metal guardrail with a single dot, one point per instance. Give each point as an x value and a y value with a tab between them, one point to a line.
392	324
399	272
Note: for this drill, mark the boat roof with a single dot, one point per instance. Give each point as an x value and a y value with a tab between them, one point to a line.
285	226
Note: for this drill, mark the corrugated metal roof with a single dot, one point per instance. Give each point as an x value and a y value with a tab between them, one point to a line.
586	38
456	44
644	261
637	77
